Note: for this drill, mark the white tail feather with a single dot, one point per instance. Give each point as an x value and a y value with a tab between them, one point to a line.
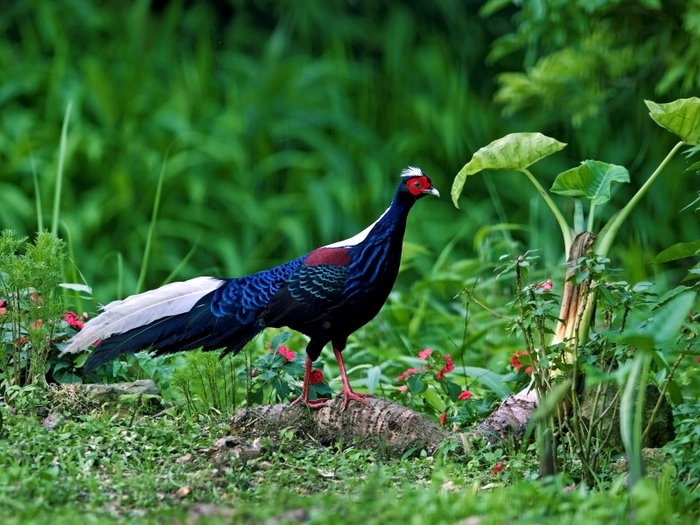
139	310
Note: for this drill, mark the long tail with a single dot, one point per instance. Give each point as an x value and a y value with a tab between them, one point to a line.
172	318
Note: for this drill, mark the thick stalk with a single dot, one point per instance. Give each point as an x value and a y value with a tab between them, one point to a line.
565	230
607	236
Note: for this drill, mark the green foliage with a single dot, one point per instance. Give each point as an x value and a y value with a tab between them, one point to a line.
578	57
32	318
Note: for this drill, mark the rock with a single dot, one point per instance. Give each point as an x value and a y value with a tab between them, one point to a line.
114	391
606	404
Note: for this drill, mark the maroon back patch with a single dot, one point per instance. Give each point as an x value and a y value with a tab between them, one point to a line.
334	256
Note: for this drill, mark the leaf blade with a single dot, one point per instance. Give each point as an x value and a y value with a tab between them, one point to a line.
681	117
592	179
513	152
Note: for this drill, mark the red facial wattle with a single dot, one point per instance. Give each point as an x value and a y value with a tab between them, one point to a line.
420	186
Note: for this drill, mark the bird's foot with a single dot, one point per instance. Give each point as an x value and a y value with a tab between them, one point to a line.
348	394
316	403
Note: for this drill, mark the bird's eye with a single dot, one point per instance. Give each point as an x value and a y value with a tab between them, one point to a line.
416	184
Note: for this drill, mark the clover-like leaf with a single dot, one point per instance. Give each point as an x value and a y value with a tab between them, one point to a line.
681	117
591	180
512	152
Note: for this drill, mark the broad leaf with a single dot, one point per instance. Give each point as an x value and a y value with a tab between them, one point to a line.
491	380
591	180
678	251
681	117
512	152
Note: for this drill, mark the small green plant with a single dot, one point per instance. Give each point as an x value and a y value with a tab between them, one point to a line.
33	322
428	388
206	381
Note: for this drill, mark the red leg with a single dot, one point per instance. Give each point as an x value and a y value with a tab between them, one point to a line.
347	389
304	397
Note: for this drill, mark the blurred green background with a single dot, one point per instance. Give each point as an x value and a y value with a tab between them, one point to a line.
282	126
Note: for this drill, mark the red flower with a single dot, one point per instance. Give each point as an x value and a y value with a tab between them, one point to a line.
316	377
443	418
73	320
3	306
698	358
465	394
21	340
449	367
36	324
286	353
497	468
423	354
408	372
515	361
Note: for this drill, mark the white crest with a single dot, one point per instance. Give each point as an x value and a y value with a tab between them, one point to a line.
412	171
139	310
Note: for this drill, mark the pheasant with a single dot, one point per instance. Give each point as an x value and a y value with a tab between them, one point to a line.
326	294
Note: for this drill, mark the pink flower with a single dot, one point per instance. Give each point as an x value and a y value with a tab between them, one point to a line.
286	353
402	388
316	377
497	468
449	367
21	340
546	286
465	394
3	307
35	298
407	373
36	324
423	354
73	320
569	489
443	418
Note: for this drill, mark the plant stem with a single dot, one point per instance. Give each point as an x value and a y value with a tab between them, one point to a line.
59	174
610	230
151	227
565	230
591	216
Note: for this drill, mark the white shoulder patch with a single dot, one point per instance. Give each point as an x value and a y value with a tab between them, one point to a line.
358	238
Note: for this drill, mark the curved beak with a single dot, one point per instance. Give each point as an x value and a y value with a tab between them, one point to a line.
432	191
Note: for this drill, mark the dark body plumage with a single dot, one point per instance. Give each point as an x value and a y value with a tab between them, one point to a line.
326	294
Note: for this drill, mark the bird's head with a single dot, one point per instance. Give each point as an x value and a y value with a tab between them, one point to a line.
417	183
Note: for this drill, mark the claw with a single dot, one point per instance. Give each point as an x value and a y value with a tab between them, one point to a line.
316	403
349	394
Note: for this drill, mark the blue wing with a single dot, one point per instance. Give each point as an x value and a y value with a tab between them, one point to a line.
245	298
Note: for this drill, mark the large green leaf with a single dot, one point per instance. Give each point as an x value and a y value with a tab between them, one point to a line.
512	152
491	380
591	180
681	117
678	251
